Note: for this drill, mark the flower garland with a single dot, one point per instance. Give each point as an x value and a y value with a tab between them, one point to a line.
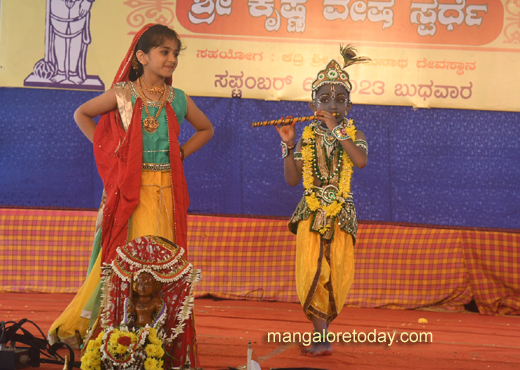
154	352
309	157
121	348
91	360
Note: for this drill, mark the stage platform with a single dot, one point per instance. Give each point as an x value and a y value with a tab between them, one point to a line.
460	340
251	258
402	273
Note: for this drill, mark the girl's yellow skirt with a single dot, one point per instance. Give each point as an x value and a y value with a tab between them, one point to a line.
152	216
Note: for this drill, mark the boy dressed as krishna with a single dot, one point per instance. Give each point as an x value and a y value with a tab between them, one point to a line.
325	220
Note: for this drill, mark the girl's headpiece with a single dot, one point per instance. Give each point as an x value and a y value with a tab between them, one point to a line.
334	74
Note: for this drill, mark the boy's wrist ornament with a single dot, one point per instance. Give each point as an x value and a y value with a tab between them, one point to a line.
340	133
286	149
362	144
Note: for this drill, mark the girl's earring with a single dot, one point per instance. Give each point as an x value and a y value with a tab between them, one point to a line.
135	63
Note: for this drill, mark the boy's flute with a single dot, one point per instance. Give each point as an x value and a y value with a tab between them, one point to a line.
283	121
287	121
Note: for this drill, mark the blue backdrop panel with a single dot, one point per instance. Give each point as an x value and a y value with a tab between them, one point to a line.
437	166
44	159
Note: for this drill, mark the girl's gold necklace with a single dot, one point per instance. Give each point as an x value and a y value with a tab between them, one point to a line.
151	123
154	90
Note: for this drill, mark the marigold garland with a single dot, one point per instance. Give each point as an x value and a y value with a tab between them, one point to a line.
120	347
91	360
331	210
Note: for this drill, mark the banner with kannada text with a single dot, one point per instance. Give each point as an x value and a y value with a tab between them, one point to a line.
425	53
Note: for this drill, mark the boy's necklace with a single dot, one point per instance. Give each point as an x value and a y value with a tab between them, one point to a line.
151	123
329	139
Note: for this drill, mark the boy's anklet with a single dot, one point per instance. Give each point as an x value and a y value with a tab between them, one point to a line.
319	336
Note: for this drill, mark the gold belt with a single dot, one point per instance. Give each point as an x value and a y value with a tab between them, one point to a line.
329	194
156	167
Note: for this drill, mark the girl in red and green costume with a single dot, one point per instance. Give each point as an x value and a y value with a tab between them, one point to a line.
139	159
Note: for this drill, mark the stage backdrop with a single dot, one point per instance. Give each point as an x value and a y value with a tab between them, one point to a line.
435	53
429	166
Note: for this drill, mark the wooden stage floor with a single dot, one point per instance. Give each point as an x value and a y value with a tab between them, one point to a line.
460	340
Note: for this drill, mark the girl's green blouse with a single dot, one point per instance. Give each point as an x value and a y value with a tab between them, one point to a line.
156	146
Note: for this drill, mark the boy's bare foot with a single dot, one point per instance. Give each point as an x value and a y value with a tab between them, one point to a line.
318	349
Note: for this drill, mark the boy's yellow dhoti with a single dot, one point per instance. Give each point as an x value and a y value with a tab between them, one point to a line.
324	271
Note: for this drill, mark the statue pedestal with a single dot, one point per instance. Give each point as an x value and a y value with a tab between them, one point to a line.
91	83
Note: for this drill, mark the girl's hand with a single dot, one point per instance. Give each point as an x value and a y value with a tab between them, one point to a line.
327	118
287	132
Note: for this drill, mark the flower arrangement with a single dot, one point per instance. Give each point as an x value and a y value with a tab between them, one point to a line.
124	348
309	158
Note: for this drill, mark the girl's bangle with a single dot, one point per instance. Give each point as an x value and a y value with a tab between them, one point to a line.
182	153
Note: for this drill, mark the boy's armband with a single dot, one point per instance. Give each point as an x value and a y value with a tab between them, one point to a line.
286	149
298	156
362	144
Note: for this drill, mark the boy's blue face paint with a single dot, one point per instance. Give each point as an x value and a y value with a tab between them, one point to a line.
332	98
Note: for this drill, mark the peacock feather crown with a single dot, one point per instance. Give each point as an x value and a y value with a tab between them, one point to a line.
334	73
